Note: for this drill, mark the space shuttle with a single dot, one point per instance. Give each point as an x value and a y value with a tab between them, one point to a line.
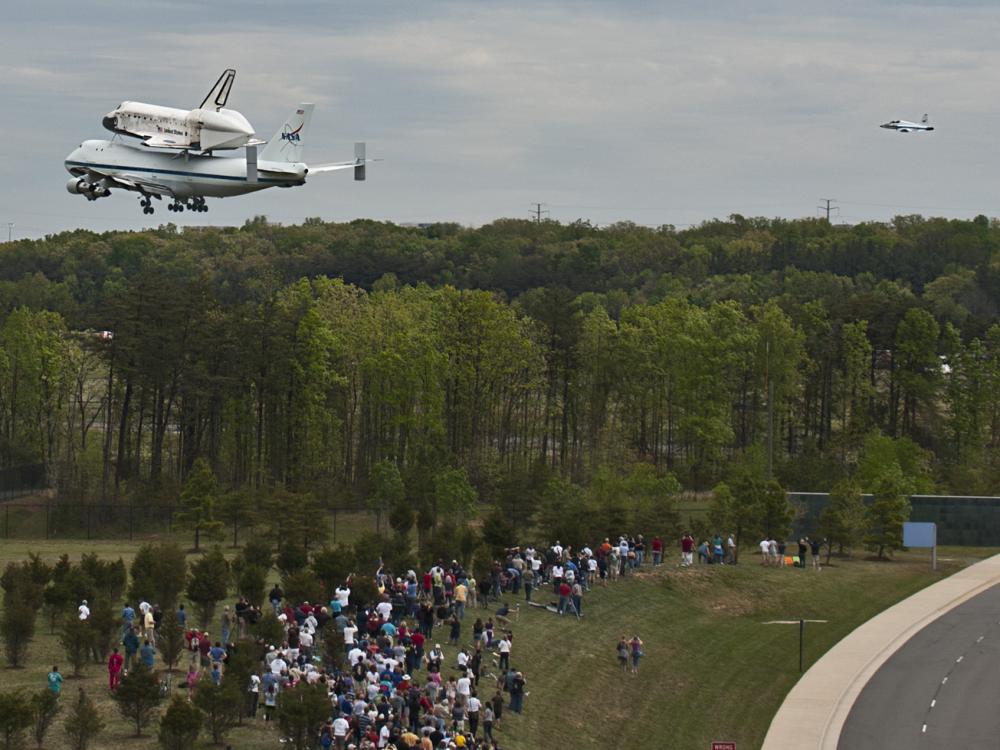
208	127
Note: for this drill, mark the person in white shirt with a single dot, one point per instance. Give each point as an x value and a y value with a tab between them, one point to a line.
84	610
504	649
385	610
765	552
354	655
349	633
557	548
464	685
343	594
279	664
340	729
305	640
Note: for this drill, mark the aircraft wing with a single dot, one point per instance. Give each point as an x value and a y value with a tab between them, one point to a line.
333	167
140	184
159	141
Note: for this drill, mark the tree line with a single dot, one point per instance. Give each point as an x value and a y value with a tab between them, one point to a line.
482	363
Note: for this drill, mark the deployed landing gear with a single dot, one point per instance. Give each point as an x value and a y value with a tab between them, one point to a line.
146	203
197	204
175	206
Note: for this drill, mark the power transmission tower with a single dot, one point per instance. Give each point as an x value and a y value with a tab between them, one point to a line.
538	211
828	208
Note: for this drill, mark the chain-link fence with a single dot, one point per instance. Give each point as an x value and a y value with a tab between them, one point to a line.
133	521
20	481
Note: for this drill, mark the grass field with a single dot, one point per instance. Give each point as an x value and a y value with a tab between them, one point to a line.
712	669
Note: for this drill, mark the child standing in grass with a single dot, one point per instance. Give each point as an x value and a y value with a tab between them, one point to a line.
623	654
270	701
636	647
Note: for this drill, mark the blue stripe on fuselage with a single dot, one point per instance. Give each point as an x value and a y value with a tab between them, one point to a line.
177	172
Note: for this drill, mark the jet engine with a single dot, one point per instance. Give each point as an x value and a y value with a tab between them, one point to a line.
93	191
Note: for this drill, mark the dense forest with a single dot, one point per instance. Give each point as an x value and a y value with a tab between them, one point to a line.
475	361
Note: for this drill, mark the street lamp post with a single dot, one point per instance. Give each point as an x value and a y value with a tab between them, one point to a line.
802	631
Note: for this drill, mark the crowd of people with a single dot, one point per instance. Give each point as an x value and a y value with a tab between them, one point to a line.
394	686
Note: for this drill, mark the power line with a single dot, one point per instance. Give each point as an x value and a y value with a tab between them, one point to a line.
537	212
828	208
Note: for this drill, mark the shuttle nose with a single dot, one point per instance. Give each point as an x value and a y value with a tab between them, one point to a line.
109	122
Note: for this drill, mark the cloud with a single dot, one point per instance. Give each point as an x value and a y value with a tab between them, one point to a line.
657	112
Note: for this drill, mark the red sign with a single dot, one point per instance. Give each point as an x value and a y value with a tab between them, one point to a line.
723	746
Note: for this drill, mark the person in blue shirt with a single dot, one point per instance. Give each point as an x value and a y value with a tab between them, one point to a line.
217	652
216	673
55	681
182	616
128	618
131	644
148	654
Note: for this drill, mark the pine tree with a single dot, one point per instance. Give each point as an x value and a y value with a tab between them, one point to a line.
843	520
44	707
15	718
83	724
76	638
301	712
198	499
889	509
170	640
180	725
138	697
221	704
207	584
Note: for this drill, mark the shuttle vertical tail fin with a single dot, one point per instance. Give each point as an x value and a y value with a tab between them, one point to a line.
219	95
287	144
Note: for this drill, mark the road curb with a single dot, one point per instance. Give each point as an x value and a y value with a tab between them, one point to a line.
814	712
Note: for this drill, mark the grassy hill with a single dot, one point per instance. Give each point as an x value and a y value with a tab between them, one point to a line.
712	669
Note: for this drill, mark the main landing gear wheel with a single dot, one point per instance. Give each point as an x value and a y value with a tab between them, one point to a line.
146	204
197	204
175	206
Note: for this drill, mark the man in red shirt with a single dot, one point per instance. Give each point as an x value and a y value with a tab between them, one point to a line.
115	662
687	550
565	598
657	547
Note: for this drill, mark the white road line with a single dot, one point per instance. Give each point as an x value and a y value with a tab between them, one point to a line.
944	680
959	659
924	729
933	702
980	639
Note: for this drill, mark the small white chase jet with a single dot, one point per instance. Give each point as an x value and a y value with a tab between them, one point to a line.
905	126
209	126
188	178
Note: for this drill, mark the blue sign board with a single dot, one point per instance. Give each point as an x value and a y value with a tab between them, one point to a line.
919	534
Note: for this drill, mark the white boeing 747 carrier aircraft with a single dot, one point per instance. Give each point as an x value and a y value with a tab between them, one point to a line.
100	166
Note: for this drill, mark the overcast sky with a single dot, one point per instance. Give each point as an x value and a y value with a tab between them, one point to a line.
653	112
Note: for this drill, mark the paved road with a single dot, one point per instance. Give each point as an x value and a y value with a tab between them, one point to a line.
940	690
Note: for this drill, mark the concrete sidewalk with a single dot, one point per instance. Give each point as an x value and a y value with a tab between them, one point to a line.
813	714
